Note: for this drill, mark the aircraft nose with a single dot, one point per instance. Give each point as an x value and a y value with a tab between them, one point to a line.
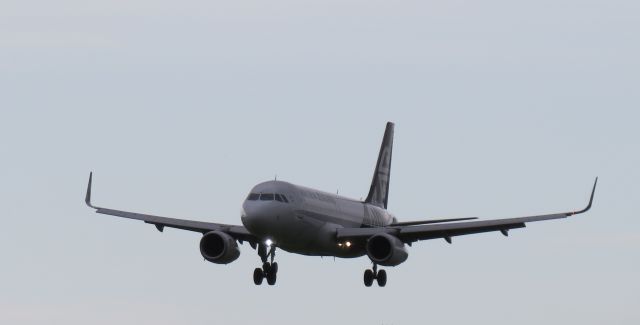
254	217
260	217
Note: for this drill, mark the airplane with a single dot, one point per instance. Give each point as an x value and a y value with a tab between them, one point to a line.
302	220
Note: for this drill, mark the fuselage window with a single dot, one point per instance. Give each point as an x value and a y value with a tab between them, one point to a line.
253	196
267	197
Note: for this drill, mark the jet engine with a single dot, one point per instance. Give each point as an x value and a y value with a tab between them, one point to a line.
386	250
218	247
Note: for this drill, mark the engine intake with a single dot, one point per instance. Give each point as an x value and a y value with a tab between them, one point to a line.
386	250
218	247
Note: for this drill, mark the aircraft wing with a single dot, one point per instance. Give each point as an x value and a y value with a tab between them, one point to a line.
238	232
412	233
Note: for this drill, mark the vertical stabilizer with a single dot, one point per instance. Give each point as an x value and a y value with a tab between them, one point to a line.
379	192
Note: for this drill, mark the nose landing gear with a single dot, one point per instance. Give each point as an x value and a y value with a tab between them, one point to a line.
379	276
269	270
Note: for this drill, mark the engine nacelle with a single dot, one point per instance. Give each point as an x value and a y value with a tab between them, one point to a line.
386	250
218	247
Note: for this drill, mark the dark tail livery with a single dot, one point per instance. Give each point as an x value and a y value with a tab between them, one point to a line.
379	192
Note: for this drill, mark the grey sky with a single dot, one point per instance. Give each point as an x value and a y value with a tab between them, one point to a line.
503	109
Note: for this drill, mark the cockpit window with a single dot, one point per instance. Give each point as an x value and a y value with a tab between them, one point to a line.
267	197
253	196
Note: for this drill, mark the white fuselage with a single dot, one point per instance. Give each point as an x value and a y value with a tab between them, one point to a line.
304	221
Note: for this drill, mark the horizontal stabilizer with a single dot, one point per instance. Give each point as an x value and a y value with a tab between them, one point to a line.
426	222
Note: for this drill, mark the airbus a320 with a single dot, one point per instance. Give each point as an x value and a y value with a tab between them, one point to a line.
301	220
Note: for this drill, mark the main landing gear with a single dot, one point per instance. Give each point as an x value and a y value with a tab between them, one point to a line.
370	275
269	270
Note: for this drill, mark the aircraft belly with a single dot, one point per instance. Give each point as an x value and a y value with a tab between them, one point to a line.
310	233
311	227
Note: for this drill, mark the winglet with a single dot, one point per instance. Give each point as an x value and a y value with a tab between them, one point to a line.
593	192
87	198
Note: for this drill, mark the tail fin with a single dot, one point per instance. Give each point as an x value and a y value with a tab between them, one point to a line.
379	192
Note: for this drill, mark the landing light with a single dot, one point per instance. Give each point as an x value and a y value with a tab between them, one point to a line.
346	244
268	242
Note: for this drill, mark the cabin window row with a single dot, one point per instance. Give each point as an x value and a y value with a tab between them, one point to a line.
268	197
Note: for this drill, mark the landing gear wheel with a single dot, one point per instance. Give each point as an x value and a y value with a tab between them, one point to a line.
268	271
266	267
258	276
271	278
368	277
382	278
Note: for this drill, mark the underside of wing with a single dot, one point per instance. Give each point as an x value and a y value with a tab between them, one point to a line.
237	232
415	231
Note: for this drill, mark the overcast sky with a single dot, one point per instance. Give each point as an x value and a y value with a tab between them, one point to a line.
502	109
